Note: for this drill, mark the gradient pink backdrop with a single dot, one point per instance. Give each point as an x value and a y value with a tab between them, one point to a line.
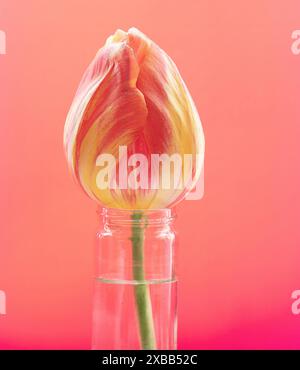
239	246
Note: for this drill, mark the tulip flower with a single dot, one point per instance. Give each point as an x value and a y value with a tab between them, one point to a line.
134	140
132	96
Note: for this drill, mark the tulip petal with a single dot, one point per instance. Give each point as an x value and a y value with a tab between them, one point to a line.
131	95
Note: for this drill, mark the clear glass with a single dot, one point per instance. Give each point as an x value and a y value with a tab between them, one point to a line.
135	299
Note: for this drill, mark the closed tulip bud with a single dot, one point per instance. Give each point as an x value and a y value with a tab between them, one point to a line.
133	136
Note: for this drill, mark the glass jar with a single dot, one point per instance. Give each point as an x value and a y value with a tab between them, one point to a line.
135	298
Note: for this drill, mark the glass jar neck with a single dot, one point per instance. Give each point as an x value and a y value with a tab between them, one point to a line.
121	218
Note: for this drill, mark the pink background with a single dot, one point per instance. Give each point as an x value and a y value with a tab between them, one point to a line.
239	246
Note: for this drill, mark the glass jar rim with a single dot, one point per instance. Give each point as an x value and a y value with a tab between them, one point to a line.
137	216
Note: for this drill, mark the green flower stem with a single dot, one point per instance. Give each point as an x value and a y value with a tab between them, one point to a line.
141	289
